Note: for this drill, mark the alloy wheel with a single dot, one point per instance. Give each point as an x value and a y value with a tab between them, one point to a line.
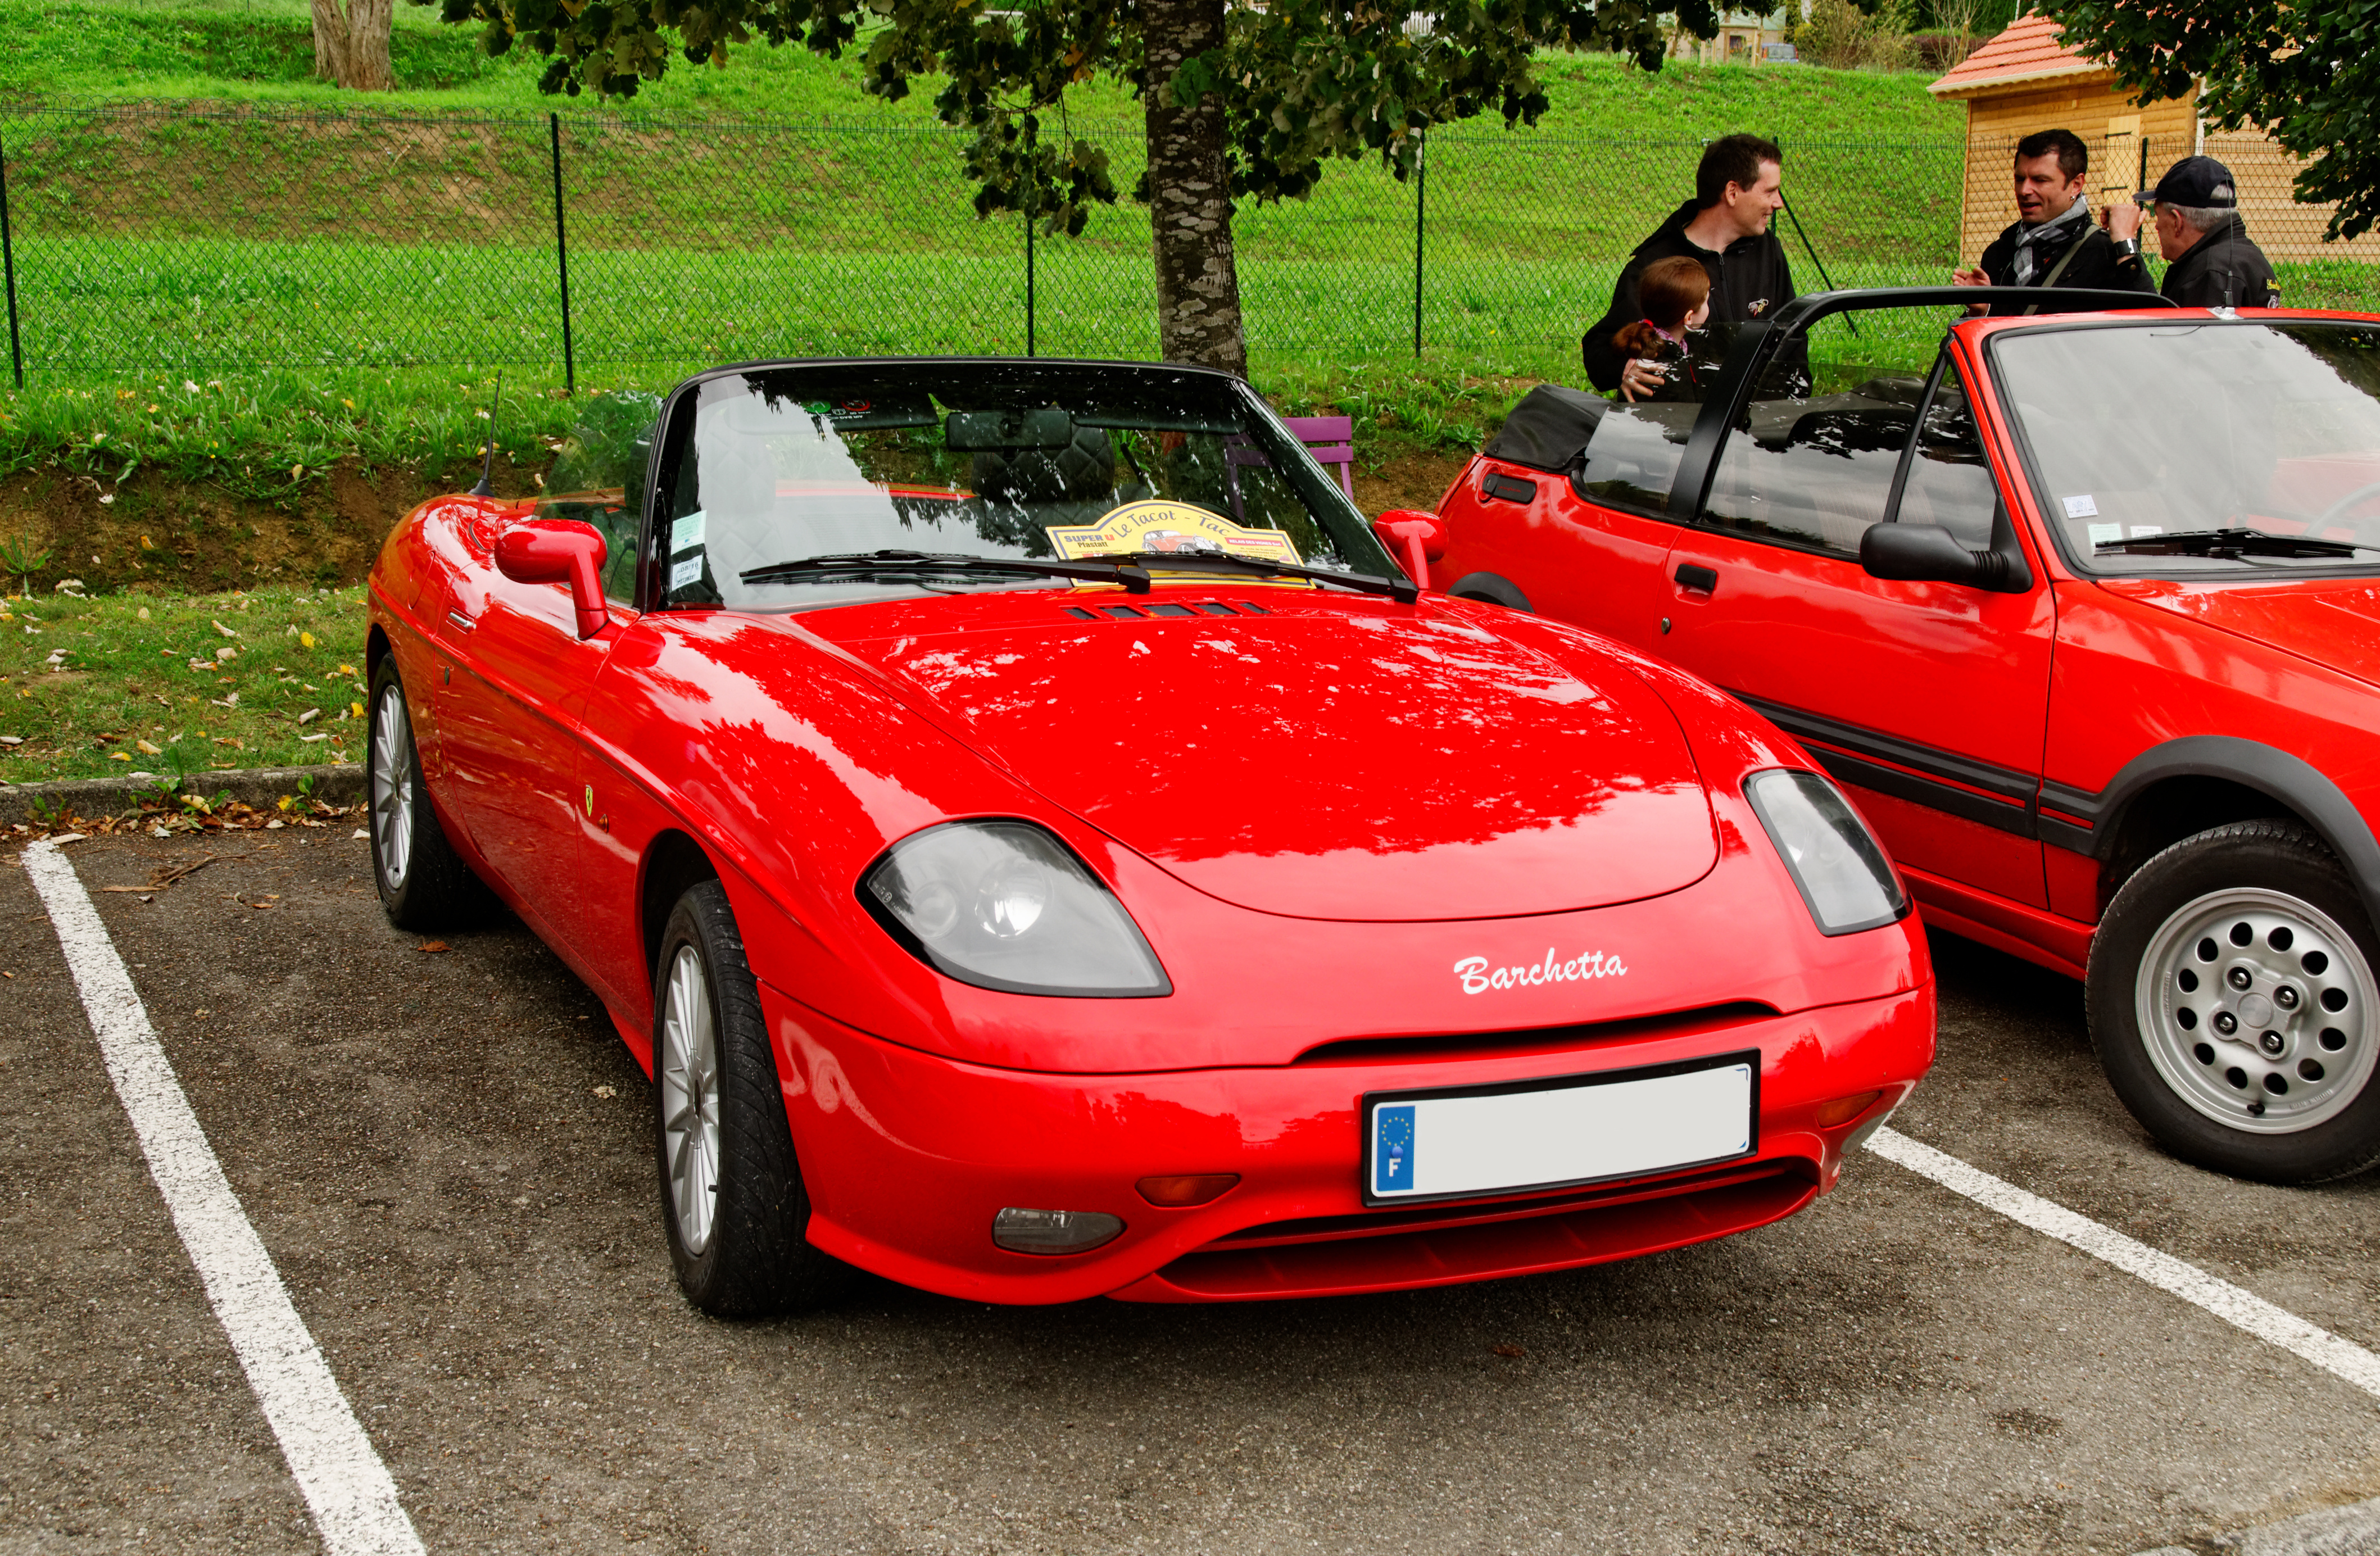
2257	1010
393	786
688	1071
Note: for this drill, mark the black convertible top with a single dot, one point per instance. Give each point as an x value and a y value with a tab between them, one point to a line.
1548	428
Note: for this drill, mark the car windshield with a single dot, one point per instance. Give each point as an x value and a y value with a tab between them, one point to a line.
2166	449
1006	461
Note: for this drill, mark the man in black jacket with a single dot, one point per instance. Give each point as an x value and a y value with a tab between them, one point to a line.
2209	261
2052	242
1726	227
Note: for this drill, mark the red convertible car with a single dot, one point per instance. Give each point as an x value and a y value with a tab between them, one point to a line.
1025	913
2085	611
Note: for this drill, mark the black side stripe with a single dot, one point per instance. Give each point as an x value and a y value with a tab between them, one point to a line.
1862	754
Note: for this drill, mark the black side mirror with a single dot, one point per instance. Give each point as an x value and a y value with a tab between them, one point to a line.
1929	553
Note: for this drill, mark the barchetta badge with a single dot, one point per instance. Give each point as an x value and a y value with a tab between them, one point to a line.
1478	977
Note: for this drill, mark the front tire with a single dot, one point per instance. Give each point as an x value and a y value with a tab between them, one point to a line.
2233	1004
424	884
732	1194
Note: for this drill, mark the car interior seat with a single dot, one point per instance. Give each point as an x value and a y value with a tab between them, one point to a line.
1072	484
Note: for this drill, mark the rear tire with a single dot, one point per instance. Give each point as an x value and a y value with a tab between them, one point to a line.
424	884
731	1190
2233	1004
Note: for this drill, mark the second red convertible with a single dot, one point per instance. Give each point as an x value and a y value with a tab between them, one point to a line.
1044	847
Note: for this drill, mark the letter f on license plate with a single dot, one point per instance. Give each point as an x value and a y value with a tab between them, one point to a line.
1393	1149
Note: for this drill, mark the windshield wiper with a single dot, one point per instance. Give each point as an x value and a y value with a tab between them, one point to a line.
921	564
1400	589
1129	569
2222	543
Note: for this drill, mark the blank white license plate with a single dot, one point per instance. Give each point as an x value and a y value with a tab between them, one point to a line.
1551	1134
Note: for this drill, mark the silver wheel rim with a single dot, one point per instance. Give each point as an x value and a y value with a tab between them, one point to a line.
689	1080
2257	1009
392	779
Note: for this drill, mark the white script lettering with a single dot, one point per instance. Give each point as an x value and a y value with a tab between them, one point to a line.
1478	977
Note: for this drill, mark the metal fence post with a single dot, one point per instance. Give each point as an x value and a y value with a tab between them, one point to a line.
1032	206
562	260
1421	209
9	259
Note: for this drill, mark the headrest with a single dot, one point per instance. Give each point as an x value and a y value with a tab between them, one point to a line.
1081	471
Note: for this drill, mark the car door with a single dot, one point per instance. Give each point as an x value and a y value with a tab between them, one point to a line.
509	736
1930	698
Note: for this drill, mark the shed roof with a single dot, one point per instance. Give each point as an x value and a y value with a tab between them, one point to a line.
2031	49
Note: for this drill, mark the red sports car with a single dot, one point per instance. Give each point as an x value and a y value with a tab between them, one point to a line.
2085	608
1025	914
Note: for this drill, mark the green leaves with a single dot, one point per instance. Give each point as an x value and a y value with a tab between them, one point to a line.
2307	75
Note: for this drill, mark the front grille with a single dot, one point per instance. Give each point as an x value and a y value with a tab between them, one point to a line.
1452	1045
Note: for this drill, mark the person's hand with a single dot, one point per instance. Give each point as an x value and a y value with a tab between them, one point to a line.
1641	378
2121	221
1975	278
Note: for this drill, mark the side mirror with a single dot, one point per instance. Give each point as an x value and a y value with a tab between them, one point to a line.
559	551
1929	553
1414	538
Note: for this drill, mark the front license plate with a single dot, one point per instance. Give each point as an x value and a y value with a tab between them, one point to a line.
1555	1133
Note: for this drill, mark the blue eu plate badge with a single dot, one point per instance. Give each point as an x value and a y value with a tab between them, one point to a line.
1392	1149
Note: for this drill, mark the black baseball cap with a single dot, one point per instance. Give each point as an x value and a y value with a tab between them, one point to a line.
2198	181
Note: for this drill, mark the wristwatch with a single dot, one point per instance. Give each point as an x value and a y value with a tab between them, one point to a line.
2128	248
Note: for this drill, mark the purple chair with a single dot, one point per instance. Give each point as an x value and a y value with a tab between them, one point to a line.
1330	439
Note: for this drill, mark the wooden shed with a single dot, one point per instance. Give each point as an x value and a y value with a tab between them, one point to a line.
2026	79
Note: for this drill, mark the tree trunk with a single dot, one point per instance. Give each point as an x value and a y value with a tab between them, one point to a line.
330	41
351	46
1190	196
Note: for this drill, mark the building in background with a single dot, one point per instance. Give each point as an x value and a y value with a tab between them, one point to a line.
2026	79
1743	38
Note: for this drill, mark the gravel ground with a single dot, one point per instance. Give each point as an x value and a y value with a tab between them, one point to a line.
447	1156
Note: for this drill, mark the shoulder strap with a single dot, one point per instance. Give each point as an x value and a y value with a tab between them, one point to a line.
2063	260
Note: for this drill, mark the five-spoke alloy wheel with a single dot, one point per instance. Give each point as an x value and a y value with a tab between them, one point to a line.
424	884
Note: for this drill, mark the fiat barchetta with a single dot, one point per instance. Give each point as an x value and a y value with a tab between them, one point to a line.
1043	843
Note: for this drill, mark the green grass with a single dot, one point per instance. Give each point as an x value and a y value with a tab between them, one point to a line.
144	684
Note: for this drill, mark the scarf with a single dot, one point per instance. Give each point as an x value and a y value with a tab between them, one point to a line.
2052	233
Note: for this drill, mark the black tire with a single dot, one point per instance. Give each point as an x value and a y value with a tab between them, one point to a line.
1491	590
2229	997
751	1258
424	884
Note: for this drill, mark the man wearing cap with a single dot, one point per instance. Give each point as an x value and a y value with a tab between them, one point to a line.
2052	242
2209	261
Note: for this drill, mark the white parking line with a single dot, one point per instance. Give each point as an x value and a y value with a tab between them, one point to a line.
354	1501
2342	1358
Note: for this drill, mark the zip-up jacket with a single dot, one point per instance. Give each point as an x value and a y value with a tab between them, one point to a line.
2222	270
2093	264
1749	280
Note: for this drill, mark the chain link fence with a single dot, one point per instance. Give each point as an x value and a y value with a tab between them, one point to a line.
192	238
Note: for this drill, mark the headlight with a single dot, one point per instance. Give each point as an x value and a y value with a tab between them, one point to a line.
1827	850
1003	905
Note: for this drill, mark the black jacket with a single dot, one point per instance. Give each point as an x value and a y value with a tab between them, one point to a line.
2222	270
1749	280
2094	264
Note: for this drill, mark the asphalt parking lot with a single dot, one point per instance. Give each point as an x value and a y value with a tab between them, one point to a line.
446	1156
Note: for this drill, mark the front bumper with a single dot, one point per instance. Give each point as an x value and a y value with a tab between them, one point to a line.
907	1156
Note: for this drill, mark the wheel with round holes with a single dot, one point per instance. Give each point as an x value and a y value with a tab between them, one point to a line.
731	1194
424	884
2233	1004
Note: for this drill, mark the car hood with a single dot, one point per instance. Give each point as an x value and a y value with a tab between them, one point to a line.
2330	621
1327	759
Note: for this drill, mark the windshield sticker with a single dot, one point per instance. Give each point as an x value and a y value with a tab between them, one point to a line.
687	531
1479	977
2081	507
687	572
1155	525
2106	534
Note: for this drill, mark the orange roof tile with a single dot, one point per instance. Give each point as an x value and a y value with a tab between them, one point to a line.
2029	49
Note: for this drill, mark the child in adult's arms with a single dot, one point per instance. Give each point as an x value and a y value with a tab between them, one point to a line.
1675	296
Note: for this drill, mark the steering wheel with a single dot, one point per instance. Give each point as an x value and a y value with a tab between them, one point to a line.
2338	510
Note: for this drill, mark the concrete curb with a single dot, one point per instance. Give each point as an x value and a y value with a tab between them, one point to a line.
334	784
2335	1531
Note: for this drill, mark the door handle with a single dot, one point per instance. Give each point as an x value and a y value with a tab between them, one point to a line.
459	619
1704	580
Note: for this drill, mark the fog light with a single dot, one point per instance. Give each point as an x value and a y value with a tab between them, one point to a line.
1192	1189
1053	1231
1842	1110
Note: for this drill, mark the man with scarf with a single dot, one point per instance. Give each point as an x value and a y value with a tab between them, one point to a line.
2053	241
